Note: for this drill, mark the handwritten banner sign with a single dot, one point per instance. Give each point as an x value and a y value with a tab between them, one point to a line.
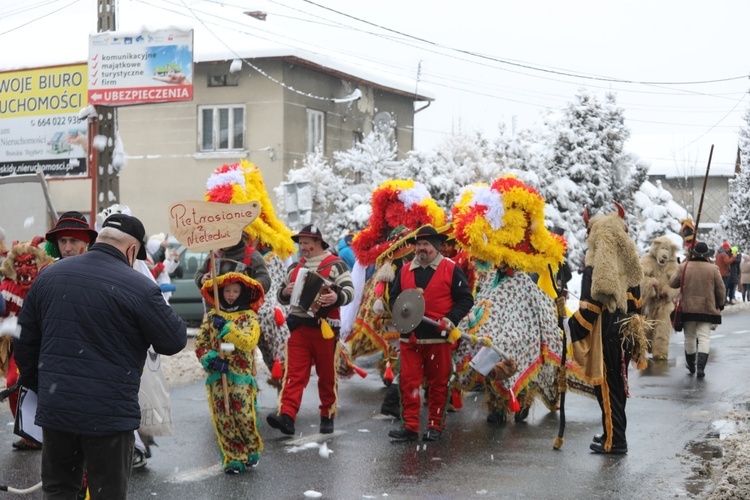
206	225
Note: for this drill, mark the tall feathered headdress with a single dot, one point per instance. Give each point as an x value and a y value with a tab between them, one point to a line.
242	183
395	203
504	222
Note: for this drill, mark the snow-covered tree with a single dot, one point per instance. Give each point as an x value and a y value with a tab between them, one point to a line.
325	186
589	166
658	215
458	161
362	168
735	219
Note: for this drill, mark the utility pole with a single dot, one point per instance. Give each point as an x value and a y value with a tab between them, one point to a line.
105	177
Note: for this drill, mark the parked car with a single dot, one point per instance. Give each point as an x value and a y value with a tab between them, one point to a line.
186	300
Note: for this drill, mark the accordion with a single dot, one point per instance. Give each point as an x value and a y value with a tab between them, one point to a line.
308	287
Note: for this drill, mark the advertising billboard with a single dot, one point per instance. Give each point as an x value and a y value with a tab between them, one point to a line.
39	123
140	68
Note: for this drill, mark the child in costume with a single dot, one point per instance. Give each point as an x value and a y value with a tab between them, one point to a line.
233	321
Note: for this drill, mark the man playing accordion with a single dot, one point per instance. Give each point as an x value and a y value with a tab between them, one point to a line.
313	329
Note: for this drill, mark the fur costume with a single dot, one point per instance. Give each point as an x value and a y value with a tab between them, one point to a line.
607	329
659	264
20	268
613	256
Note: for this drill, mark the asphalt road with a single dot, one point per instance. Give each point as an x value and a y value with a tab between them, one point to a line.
672	418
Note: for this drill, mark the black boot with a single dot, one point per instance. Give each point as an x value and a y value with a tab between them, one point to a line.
282	422
702	360
690	358
326	425
392	403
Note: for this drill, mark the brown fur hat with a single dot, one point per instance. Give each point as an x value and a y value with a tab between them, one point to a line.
614	258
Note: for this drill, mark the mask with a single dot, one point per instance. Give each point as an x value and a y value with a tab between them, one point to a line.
26	269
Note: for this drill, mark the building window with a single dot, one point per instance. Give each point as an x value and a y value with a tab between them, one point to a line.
316	126
224	80
221	127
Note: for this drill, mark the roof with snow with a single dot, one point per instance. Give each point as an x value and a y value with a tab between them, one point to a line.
221	32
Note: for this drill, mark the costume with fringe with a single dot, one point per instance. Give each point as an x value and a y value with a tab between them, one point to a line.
608	330
521	320
237	431
399	207
242	183
502	224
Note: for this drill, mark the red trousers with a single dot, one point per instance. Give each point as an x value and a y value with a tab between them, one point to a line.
307	347
431	363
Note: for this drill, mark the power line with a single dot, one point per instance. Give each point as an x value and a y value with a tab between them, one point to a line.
256	68
519	64
40	17
409	70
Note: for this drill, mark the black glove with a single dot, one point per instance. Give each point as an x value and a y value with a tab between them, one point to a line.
219	365
218	322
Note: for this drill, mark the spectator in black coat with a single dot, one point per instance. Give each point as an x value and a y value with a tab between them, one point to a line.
87	323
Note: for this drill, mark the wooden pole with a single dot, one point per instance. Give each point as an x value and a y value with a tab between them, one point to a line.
224	383
700	205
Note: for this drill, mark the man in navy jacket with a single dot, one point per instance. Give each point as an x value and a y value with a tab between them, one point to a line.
87	323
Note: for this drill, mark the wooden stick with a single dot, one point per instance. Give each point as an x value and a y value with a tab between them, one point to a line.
225	386
700	205
224	383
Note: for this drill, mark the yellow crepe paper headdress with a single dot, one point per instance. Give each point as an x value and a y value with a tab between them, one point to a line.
242	183
504	222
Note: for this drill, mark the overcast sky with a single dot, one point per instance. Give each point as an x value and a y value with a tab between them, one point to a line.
486	62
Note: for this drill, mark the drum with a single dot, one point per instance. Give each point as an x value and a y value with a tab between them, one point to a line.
308	287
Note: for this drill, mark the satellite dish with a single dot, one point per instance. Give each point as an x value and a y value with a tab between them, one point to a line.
383	120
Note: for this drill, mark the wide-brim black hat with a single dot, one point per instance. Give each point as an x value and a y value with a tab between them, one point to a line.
702	251
71	221
313	232
429	233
